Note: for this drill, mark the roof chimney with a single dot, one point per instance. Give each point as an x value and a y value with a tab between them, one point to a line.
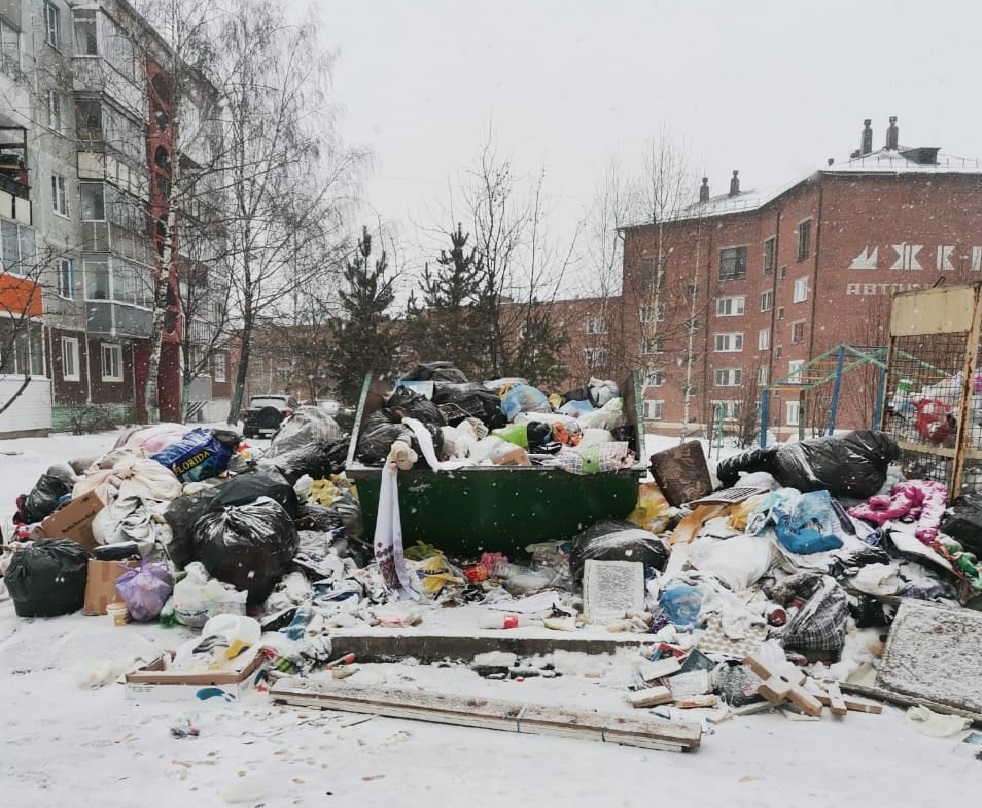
866	141
735	184
704	190
893	134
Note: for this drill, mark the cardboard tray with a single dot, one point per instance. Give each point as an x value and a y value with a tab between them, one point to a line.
154	682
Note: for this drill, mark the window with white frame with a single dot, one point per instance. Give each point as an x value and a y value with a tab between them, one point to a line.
654	378
794	368
52	24
798	332
16	247
218	366
9	49
86	32
727	377
726	410
762	375
764	339
653	410
56	118
730	306
728	343
792	412
801	290
59	195
69	359
112	363
596	357
767	300
66	278
651	314
652	345
596	325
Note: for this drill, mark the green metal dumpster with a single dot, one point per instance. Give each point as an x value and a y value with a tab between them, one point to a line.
503	509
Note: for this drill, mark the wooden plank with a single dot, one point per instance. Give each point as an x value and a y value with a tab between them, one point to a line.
852	704
901	700
650	697
488	713
835	701
784	683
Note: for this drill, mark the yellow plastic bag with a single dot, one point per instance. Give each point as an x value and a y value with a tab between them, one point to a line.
740	513
652	511
433	574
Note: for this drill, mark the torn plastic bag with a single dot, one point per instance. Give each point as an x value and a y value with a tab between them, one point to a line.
182	515
820	624
616	540
296	456
404	402
681	602
197	456
198	597
47	578
145	590
459	401
45	497
803	523
441	371
246	488
854	465
249	546
307	423
380	432
523	398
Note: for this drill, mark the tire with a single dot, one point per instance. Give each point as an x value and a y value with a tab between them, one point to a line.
267	418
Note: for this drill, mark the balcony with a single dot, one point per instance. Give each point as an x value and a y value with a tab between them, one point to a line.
94	75
118	319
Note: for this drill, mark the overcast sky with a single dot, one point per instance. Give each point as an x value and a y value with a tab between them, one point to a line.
770	87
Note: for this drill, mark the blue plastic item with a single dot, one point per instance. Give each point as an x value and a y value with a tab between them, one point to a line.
196	456
681	603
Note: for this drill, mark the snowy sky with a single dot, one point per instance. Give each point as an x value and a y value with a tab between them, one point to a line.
771	88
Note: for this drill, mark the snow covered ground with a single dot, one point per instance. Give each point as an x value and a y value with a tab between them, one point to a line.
66	740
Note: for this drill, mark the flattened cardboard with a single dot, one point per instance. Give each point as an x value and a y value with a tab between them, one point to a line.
100	584
154	682
74	521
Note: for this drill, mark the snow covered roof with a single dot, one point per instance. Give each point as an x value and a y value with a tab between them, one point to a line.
904	160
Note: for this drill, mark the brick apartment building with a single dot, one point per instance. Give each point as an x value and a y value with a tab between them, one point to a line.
753	284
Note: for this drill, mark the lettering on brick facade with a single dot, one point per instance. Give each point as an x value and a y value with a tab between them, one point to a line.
871	289
866	259
907	256
944	258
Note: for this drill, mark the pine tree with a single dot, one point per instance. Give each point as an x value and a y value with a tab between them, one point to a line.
366	339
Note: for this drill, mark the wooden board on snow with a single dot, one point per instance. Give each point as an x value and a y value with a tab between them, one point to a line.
477	711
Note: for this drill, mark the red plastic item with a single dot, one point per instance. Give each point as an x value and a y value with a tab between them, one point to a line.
933	420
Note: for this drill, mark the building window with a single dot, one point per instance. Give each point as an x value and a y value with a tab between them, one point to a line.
648	314
69	359
780	312
66	278
798	332
769	251
218	365
801	290
112	363
56	120
792	411
777	352
9	49
654	378
86	35
766	300
59	197
726	410
732	263
764	339
596	357
794	371
16	248
52	24
727	377
93	197
762	375
21	347
730	306
652	345
804	239
596	325
653	410
784	273
728	343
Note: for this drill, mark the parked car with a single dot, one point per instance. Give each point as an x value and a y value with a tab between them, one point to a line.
266	413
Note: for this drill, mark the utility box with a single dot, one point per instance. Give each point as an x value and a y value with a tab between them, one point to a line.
933	393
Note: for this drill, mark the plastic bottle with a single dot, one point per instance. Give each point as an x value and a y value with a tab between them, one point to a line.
301	618
503	620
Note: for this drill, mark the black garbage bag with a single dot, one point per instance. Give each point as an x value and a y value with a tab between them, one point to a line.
43	499
228	438
616	540
381	430
295	457
404	402
867	612
47	578
182	514
760	459
437	372
459	401
963	522
820	624
854	465
249	546
246	488
311	516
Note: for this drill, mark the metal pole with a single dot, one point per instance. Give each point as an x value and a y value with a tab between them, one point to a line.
765	401
835	388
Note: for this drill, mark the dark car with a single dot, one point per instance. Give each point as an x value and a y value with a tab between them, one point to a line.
265	414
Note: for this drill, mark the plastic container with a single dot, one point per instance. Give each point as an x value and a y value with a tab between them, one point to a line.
117	613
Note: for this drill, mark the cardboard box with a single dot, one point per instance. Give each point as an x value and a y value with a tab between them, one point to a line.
73	521
100	584
154	682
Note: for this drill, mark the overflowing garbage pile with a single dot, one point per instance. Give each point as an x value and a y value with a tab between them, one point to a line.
801	555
